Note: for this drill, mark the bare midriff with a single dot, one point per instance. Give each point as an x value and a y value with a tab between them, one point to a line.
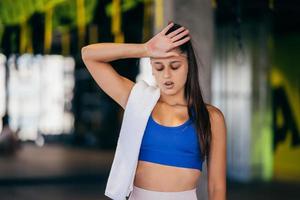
165	178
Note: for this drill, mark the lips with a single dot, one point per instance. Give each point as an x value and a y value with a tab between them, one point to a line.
169	84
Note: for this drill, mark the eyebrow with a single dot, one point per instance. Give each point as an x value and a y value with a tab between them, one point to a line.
157	62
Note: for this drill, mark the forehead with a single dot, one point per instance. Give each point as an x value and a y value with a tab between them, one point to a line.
180	58
167	60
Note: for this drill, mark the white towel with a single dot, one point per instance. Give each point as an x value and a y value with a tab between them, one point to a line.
141	101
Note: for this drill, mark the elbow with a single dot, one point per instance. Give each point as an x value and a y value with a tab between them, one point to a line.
84	53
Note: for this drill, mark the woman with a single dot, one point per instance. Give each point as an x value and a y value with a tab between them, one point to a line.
170	163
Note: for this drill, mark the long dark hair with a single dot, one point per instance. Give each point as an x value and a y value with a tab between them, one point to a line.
196	106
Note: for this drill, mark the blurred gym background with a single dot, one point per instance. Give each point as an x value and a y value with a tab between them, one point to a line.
58	129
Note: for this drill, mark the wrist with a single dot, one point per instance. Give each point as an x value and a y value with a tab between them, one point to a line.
145	50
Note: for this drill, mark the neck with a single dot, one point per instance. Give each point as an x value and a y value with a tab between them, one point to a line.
174	100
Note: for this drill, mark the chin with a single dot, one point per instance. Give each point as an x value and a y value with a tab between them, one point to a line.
169	92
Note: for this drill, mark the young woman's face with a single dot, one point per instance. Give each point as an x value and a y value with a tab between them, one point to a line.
170	70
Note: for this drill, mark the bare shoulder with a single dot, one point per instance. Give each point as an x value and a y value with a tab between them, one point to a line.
215	112
217	118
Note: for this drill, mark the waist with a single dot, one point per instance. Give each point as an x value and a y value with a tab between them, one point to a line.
177	159
170	178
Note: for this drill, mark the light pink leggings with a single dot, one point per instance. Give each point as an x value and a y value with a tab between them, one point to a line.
143	194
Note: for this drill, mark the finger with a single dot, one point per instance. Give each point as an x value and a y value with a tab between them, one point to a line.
172	34
180	42
167	28
180	35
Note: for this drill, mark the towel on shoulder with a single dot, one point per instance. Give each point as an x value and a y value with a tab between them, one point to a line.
141	101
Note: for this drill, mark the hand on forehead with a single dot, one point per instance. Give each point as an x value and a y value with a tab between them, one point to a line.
177	51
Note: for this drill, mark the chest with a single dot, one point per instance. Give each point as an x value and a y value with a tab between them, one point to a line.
182	138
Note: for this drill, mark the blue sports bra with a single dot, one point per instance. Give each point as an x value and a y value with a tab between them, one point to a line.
171	145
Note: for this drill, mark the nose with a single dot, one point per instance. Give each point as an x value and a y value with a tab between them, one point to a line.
166	73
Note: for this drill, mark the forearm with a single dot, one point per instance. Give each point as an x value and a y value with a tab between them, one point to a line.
107	52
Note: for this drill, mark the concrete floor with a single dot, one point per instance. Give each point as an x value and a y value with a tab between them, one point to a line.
54	172
64	173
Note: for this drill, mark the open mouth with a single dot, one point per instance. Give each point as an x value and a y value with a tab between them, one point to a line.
169	84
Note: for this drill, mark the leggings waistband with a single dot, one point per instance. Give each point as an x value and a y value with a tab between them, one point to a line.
143	194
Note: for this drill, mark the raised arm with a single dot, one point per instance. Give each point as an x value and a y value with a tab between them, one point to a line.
106	52
96	58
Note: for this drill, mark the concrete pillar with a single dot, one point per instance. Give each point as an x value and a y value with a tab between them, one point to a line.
197	16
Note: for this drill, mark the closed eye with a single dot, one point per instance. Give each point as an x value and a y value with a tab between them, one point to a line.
175	68
175	65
